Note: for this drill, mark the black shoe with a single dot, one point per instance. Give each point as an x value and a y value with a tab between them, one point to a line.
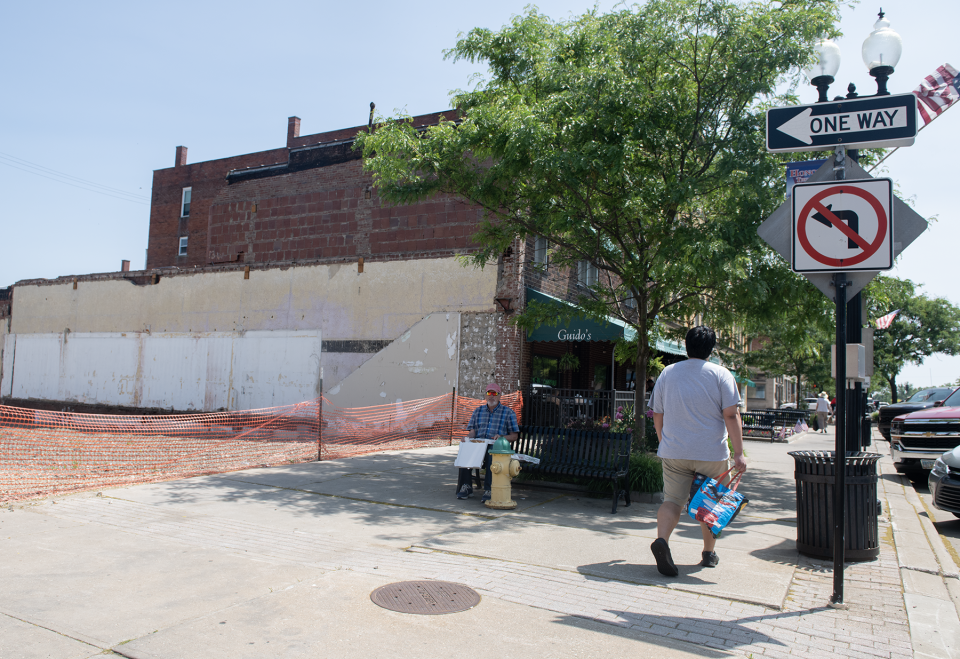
710	559
661	552
486	496
465	491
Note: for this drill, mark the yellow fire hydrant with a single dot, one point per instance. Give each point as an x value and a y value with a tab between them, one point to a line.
503	468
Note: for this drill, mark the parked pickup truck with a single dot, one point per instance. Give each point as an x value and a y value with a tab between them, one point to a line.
921	400
919	438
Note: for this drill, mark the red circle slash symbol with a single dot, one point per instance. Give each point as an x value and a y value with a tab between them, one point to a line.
815	205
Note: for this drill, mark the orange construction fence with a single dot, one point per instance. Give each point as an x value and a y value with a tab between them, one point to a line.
44	453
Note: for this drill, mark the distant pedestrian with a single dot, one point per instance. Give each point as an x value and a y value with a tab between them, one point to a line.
823	411
487	422
695	407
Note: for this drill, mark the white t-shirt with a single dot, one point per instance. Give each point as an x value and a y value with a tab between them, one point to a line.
692	395
823	405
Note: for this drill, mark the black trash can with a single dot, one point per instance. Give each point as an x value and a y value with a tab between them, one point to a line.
815	490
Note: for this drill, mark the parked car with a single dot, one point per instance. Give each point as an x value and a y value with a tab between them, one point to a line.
919	401
944	482
918	439
809	403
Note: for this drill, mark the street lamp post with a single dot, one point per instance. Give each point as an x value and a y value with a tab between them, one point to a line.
881	52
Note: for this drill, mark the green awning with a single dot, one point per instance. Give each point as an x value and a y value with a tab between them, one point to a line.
578	329
671	347
743	380
676	348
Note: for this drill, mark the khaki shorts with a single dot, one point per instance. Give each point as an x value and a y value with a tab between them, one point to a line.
678	476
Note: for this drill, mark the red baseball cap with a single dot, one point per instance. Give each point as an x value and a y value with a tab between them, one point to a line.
493	386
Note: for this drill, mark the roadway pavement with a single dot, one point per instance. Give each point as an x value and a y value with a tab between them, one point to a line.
281	562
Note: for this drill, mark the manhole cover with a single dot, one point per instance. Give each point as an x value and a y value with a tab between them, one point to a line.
425	597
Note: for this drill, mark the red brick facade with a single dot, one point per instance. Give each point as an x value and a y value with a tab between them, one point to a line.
309	207
206	180
332	212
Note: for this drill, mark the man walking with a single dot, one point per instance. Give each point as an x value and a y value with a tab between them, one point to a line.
487	422
695	407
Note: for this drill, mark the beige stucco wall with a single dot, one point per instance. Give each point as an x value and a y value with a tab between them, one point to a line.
381	303
421	363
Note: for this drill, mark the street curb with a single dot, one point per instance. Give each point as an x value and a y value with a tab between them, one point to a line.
931	629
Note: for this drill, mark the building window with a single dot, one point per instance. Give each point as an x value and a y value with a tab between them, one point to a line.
183	246
540	245
545	370
760	391
630	303
586	273
185	203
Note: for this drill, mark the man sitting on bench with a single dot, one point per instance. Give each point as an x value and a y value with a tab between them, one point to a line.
487	422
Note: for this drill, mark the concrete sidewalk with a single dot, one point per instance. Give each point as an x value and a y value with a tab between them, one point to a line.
281	562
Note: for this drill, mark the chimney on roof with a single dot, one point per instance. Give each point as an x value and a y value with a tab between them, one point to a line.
124	266
181	156
293	130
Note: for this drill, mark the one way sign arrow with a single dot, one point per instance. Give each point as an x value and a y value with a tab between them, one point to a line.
878	121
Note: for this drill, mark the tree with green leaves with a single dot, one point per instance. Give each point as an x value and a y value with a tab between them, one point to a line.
631	140
923	327
794	330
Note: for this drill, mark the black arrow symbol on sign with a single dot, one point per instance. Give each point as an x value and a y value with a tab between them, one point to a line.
852	221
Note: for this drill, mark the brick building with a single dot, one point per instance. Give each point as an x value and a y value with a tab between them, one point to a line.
297	239
310	202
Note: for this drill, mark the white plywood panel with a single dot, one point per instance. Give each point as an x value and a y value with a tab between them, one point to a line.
99	368
36	368
174	370
275	368
219	361
6	365
226	370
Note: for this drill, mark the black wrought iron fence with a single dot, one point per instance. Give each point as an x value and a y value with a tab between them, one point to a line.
787	418
557	408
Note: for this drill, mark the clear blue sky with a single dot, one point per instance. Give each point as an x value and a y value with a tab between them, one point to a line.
105	91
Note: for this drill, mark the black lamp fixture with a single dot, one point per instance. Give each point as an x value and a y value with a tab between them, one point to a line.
823	69
881	52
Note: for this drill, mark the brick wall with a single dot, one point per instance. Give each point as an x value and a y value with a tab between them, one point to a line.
206	179
321	231
331	212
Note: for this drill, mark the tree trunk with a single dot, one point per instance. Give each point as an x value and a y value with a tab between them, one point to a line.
799	387
639	394
893	388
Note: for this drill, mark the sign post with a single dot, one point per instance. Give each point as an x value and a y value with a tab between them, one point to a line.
839	236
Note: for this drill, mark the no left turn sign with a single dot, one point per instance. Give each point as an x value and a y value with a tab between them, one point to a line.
843	226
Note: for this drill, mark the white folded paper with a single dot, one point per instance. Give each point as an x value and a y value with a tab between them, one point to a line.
470	455
525	458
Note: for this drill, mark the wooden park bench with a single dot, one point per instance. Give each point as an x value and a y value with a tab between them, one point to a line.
582	453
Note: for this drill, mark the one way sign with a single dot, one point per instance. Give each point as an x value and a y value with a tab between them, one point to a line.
878	121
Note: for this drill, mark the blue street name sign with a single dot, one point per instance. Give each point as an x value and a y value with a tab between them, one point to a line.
877	121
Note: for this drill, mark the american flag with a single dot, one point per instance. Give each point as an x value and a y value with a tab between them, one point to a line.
886	321
937	92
